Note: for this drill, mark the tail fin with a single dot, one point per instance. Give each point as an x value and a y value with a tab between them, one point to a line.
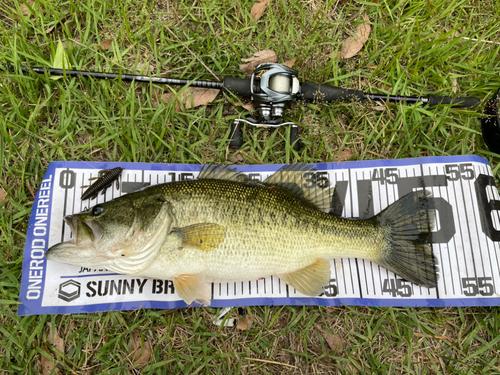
407	225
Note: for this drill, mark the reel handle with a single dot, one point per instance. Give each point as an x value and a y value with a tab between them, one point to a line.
236	134
294	137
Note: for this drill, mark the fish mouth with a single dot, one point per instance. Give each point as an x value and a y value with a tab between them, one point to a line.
86	235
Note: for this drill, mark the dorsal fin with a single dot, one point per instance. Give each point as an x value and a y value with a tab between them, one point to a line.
223	172
301	181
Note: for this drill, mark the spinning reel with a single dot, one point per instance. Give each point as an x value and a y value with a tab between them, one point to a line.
272	87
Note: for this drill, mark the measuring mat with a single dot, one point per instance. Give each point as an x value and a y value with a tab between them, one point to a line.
465	241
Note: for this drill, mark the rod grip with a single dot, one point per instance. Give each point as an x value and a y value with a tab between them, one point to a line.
312	91
238	86
461	102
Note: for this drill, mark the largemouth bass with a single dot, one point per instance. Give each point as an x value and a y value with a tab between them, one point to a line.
226	227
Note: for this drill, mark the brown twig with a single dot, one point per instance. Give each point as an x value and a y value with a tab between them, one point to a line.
272	362
374	153
30	189
248	156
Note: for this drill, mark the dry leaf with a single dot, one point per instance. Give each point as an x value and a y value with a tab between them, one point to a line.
265	56
334	342
54	339
245	323
258	9
236	158
47	364
49	29
454	85
345	155
379	107
25	10
143	68
353	45
248	106
106	44
191	97
200	96
157	94
290	63
141	353
3	194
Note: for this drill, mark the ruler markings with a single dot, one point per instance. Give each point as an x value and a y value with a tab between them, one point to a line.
474	233
442	249
451	256
459	193
468	233
461	258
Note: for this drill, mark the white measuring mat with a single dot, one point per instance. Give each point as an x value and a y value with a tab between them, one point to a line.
465	241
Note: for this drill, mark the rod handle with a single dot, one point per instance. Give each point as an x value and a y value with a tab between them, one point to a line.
460	102
325	93
238	86
236	134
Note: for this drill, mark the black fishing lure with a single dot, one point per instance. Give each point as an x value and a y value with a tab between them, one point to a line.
102	183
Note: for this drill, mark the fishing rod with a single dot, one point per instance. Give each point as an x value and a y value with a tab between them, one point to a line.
271	87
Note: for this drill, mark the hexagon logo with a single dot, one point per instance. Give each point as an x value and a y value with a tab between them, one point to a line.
69	290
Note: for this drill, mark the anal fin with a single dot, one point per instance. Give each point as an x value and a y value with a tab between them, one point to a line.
309	280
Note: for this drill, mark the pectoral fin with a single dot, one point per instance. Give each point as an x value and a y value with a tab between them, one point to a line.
190	287
206	236
309	280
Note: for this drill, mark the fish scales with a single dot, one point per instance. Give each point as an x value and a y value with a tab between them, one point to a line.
268	231
224	227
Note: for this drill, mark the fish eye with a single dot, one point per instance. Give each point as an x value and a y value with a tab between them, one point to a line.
97	210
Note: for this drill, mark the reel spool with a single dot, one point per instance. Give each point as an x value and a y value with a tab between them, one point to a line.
272	87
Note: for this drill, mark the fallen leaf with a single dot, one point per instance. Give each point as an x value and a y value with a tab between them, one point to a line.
334	342
345	155
140	352
167	97
379	107
143	68
157	94
353	44
54	339
258	9
47	364
290	63
106	44
265	56
57	342
191	97
236	158
3	194
25	10
245	323
248	106
454	85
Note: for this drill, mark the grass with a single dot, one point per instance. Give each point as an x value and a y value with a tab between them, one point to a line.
444	47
